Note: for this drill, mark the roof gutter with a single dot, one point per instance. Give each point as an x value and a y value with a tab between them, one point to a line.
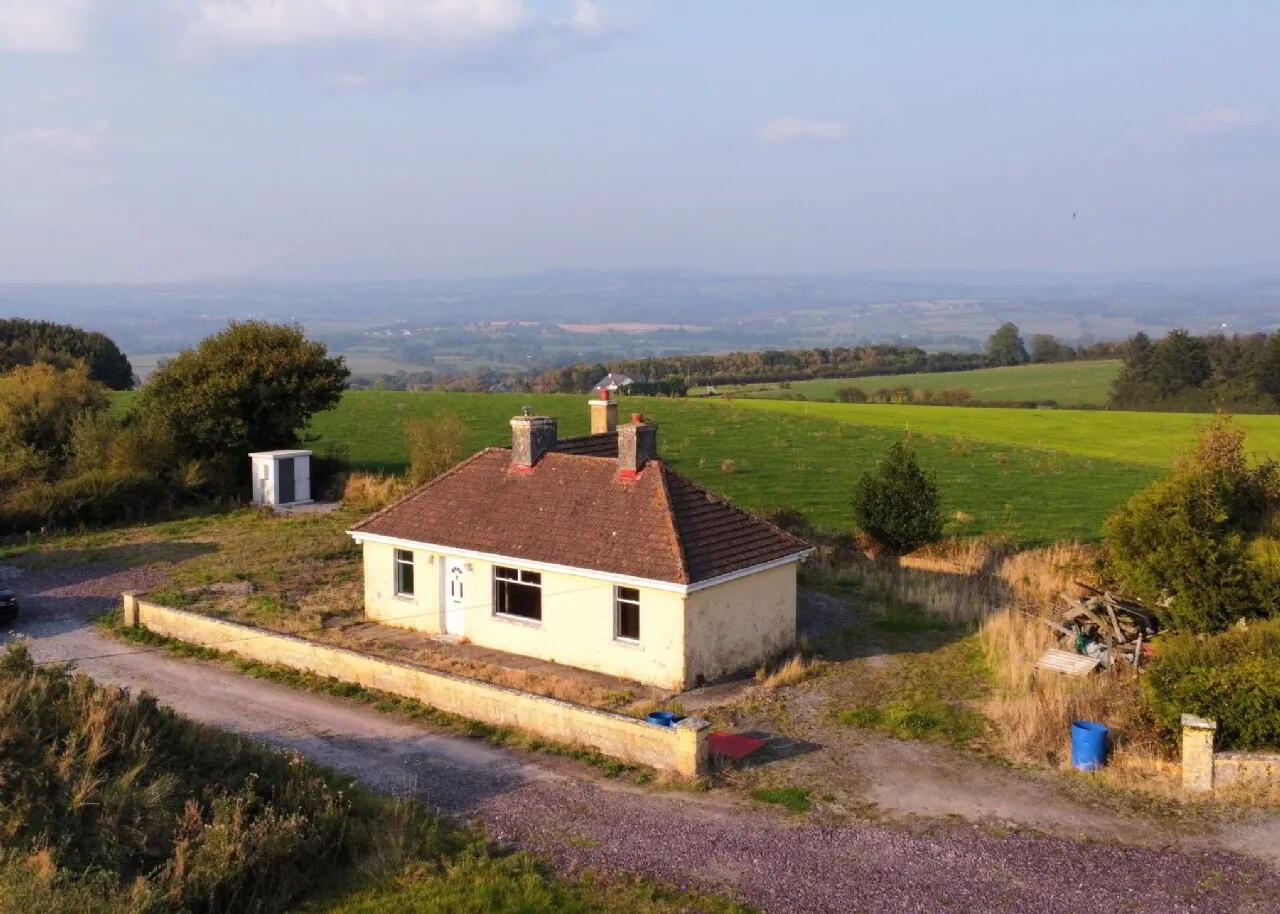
625	580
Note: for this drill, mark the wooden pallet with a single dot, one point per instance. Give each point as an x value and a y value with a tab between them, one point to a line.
1066	662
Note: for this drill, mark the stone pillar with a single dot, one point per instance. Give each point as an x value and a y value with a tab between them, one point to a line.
129	608
1197	753
693	735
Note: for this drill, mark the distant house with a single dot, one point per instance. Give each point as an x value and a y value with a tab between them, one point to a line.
587	551
613	382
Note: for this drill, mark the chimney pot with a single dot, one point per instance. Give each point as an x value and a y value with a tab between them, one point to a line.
531	437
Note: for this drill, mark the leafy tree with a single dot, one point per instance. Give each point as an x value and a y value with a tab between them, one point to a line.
1005	347
24	342
434	445
851	395
253	386
39	407
897	504
1181	361
1266	369
1046	348
1195	544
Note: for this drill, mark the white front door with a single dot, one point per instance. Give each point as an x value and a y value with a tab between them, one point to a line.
454	596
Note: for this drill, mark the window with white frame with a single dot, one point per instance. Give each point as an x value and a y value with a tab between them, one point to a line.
517	593
404	572
626	613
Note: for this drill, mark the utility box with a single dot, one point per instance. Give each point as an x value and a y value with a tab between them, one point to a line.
281	477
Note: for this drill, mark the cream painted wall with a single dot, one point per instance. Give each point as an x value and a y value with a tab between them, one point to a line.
381	604
577	627
741	623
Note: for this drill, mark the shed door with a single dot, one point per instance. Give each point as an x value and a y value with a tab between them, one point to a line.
285	483
454	596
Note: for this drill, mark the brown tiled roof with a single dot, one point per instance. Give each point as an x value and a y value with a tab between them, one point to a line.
604	444
579	511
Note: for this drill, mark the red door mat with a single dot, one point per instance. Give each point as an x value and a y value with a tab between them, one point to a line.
734	746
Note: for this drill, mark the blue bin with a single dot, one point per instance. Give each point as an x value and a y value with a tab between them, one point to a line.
1088	745
664	718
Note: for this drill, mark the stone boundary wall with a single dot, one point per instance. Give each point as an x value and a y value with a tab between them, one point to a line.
681	749
1204	770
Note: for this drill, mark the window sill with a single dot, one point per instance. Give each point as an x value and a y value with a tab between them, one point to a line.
633	643
405	597
518	620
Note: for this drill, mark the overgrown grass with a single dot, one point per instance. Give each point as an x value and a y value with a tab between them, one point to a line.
169	815
931	696
795	799
113	805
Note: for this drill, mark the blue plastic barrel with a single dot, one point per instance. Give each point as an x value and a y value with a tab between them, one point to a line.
664	718
1088	745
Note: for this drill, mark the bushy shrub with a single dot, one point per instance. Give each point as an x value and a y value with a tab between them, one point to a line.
39	407
92	498
898	504
1188	545
851	394
127	807
1233	678
434	445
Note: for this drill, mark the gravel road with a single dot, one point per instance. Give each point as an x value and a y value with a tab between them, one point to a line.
780	863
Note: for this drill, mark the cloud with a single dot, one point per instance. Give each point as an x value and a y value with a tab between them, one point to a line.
790	129
287	22
43	26
57	155
1219	120
357	44
68	143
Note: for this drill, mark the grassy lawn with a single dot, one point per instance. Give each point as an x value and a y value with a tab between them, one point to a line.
1037	476
1151	439
785	457
1069	383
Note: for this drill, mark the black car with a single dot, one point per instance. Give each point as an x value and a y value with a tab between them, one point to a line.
8	605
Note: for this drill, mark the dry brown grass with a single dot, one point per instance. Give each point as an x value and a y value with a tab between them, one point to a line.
965	581
1033	711
796	668
370	491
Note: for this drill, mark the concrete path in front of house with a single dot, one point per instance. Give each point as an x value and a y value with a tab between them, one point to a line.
778	862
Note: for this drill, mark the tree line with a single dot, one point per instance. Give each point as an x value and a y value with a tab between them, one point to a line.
1187	373
1005	347
24	342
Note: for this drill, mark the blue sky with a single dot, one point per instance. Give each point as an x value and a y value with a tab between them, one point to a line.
146	140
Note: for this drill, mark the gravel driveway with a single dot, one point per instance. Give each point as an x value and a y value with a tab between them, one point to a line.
777	862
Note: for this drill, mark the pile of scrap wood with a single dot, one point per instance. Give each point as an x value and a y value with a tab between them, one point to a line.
1103	627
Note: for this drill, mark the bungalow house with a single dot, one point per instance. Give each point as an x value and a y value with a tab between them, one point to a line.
613	383
586	551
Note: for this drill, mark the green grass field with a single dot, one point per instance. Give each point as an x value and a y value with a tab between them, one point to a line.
994	479
1038	476
1069	383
